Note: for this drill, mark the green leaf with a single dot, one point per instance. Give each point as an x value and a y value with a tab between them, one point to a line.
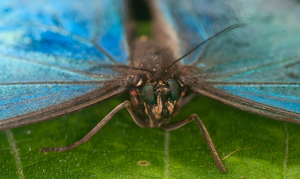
114	152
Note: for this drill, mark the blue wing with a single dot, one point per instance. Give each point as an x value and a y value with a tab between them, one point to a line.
254	68
54	57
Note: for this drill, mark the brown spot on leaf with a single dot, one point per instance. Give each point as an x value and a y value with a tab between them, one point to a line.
143	163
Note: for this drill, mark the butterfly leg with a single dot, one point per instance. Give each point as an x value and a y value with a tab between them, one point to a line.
213	151
187	99
87	137
183	102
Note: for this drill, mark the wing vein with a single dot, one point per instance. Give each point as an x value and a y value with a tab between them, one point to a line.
251	83
53	82
94	39
290	60
245	104
69	70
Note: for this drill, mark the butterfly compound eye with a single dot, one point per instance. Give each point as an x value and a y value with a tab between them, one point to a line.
148	94
175	89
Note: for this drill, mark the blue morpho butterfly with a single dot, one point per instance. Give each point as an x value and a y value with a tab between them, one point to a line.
58	57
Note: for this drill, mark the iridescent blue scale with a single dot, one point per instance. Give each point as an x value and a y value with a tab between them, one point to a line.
49	51
57	53
258	62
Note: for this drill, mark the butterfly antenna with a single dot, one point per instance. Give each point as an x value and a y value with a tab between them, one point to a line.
217	34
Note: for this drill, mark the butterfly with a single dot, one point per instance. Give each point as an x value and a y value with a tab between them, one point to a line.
60	57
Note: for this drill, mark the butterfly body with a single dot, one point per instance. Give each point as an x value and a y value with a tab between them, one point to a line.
155	54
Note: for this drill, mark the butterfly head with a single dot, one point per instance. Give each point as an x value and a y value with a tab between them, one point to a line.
159	99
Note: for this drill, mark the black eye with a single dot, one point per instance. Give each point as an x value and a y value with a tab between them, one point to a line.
175	88
148	94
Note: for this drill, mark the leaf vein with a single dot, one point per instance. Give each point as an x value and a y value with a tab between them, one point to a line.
12	143
166	153
286	150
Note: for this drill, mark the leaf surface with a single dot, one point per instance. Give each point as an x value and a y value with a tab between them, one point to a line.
114	152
